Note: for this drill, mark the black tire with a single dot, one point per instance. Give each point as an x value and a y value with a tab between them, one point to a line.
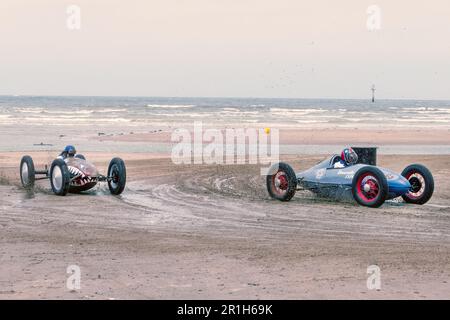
117	175
80	156
375	189
422	184
59	177
281	189
27	172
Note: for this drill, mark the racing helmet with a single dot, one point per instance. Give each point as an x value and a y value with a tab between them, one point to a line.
349	156
70	151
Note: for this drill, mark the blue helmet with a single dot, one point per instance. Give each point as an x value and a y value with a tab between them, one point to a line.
70	150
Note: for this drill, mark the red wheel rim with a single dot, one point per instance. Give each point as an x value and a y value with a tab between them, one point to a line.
368	187
280	183
417	184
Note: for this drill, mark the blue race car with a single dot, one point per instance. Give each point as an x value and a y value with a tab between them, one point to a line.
368	184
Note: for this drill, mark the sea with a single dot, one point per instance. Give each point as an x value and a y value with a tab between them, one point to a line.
36	122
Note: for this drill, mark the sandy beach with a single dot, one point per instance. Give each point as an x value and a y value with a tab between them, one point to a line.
211	232
318	136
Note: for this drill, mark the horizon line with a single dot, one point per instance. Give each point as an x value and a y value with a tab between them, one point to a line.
219	97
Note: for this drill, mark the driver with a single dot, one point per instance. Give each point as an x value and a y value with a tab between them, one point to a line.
68	152
348	158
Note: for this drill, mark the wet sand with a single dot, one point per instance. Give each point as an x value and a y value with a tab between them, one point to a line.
370	136
208	232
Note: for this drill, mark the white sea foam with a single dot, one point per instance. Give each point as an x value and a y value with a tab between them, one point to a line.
311	121
287	112
57	120
241	113
29	109
437	120
170	106
109	110
292	110
427	109
231	109
84	111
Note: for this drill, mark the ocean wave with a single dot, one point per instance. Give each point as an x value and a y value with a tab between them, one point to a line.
295	110
241	113
41	110
29	109
171	106
68	120
63	114
436	120
231	109
110	110
427	109
312	121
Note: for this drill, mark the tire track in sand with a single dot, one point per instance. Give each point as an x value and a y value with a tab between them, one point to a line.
238	206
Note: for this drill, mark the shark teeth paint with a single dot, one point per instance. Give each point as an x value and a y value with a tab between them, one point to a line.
78	178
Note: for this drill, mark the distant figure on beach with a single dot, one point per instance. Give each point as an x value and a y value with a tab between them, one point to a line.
42	144
348	158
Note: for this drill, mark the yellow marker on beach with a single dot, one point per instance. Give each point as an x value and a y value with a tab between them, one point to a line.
267	130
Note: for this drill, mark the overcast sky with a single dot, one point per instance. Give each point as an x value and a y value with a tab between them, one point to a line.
230	48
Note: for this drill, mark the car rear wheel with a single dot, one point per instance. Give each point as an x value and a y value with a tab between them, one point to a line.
27	172
422	184
59	177
370	187
281	182
117	175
